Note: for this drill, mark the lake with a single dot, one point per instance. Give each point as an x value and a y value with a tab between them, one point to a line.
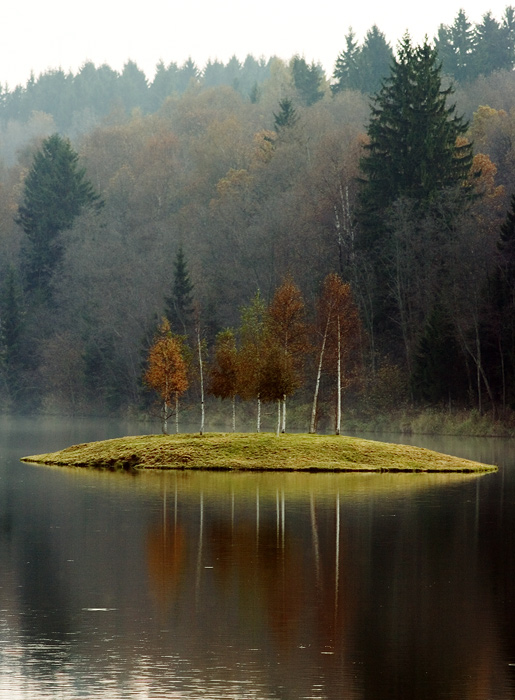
253	586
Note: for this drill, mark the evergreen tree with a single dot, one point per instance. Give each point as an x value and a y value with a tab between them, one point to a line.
436	370
163	85
233	73
412	194
11	334
55	193
502	303
456	46
492	46
374	60
133	87
307	80
188	73
287	117
362	67
346	71
413	133
179	306
214	74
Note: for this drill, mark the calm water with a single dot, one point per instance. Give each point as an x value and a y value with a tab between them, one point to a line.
269	586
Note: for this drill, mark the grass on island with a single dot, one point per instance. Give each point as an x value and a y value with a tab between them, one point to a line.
256	451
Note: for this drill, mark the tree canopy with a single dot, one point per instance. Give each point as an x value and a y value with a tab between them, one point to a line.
414	149
55	192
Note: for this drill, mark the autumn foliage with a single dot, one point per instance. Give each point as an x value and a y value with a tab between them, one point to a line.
167	371
339	335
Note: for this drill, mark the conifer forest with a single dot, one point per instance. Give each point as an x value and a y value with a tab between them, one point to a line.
263	233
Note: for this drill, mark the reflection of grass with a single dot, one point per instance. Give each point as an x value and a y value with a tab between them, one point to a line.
255	451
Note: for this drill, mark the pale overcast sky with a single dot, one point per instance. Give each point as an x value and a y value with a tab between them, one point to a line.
42	35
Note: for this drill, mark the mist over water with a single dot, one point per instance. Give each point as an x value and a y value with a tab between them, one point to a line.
191	585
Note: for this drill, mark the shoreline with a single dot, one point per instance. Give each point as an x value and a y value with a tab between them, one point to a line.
256	452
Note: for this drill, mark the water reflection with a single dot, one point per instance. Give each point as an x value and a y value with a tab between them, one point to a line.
190	585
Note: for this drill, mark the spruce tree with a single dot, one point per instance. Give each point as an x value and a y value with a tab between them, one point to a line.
362	67
287	117
11	334
307	80
374	60
346	71
179	306
55	193
502	303
413	132
456	46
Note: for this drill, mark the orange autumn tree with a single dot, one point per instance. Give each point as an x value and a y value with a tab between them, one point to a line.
167	372
224	370
339	333
287	338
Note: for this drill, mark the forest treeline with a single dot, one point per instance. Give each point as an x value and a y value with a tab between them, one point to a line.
402	188
76	102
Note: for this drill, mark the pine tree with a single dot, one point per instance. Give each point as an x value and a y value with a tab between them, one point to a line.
307	80
287	117
11	334
456	46
346	71
493	45
55	193
413	150
362	67
179	306
374	60
502	303
436	372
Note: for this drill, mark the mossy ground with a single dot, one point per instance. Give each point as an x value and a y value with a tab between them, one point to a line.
256	451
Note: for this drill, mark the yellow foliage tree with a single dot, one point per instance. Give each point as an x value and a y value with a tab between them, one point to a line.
167	371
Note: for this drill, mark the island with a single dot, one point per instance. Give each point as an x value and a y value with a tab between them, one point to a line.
256	452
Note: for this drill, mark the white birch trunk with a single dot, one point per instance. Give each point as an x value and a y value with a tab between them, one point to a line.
165	418
202	405
319	374
283	425
339	380
177	412
259	415
234	413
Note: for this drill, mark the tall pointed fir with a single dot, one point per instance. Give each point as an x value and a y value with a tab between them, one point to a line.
179	306
55	193
416	162
413	150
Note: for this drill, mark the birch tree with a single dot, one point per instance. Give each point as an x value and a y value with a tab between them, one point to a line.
252	353
287	329
224	370
167	372
339	333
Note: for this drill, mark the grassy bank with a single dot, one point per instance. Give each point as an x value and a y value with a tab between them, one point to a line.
255	451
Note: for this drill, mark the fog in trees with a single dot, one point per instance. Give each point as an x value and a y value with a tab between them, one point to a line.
222	181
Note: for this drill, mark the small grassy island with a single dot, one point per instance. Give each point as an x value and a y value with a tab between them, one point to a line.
256	451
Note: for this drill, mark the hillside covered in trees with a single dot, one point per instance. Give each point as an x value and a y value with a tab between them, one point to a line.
200	196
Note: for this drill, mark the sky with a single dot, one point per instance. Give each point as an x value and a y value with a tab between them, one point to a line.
38	36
